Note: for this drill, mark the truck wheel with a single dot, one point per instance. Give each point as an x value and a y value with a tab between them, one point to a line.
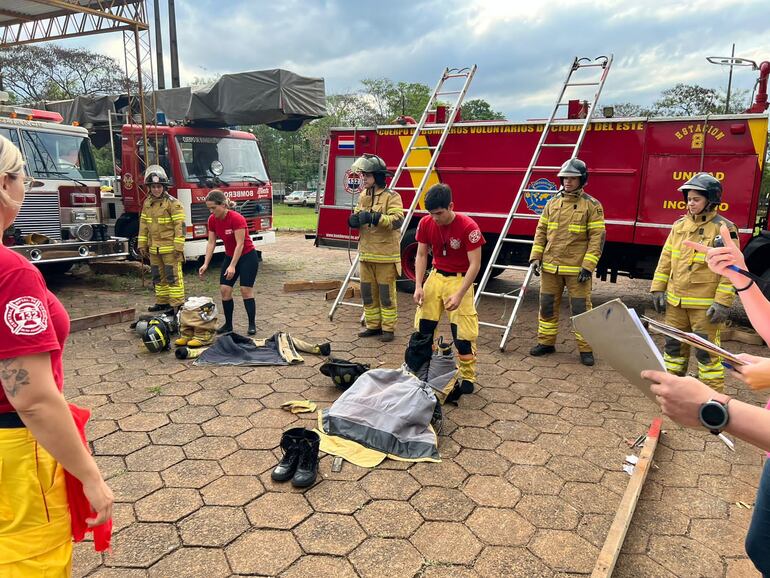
405	282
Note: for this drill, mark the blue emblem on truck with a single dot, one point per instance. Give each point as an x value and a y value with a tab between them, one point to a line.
536	200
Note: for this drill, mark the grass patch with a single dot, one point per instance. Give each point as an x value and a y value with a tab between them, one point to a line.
289	217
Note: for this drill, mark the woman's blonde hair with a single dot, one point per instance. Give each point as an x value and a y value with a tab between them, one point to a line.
11	163
218	198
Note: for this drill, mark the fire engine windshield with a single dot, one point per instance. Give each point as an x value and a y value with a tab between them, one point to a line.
52	155
240	158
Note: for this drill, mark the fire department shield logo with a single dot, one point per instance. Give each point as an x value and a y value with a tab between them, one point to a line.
455	243
128	181
26	316
536	200
352	181
474	236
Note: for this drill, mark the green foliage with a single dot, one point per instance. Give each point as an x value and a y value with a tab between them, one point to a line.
479	109
687	100
103	158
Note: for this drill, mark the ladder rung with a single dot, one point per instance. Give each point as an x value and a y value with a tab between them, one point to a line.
545	168
438	126
557	145
501	295
429	148
582	84
512	267
407	168
487	324
602	64
448	92
350	303
459	75
521	241
403	188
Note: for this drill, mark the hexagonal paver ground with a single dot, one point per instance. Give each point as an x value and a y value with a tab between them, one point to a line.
266	552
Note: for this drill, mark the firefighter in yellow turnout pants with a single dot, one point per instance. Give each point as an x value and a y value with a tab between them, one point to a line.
161	236
378	217
568	243
694	298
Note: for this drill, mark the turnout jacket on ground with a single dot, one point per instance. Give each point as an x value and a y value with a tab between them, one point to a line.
570	234
381	243
683	273
161	225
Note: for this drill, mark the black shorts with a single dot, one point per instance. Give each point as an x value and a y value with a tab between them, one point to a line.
246	269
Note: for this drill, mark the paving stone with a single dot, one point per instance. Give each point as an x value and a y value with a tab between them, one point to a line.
232	491
482	462
583	416
96	429
590	498
389	485
143	422
561	445
444	474
726	488
119	573
84	559
162	403
132	395
208	397
192	473
221	383
491	491
141	545
320	566
500	527
471	417
167	505
213	526
131	486
538	405
329	534
226	426
659	519
514	431
682	440
549	512
523	453
499	396
675	474
564	551
389	519
741	569
248	462
179	388
448	571
595	528
176	434
720	536
379	557
432	539
193	414
260	438
575	469
476	438
250	391
336	497
695	502
122	516
548	423
266	552
110	466
534	479
210	448
89	401
121	443
154	458
279	511
442	504
192	563
685	557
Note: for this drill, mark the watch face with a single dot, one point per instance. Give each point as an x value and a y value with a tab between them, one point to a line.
713	414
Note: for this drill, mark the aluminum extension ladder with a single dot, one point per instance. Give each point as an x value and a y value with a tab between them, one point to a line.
323	168
516	296
455	77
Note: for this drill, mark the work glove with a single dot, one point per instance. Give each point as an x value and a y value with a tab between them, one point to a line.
717	313
584	275
535	264
659	301
354	221
364	218
299	406
375	218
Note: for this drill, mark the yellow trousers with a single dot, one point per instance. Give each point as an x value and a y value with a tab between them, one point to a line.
378	292
167	278
551	289
676	354
35	532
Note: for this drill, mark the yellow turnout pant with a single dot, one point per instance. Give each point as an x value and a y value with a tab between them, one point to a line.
676	354
378	292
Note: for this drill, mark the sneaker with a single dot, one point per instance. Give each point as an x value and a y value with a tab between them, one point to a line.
541	349
587	358
387	336
370	332
225	329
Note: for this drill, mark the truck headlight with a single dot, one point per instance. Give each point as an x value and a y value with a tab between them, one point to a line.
84	232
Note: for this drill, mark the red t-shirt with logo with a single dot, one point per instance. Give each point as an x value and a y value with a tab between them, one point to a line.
450	243
225	230
32	320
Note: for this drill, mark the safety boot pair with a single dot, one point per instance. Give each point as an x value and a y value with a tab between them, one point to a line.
300	458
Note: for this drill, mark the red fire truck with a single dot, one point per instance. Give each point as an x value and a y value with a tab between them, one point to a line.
635	165
60	222
196	161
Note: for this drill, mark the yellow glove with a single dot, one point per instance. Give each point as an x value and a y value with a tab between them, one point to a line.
299	406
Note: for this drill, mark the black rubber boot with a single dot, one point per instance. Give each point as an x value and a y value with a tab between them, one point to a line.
387	336
541	349
227	309
370	332
251	313
158	307
290	445
587	358
463	388
307	469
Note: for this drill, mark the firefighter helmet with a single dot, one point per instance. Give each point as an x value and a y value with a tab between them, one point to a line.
157	336
369	164
706	185
574	168
343	372
155	175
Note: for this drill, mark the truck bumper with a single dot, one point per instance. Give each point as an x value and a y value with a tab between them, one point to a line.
71	251
195	249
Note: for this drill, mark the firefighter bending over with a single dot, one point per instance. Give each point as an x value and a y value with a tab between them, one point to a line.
161	236
456	241
568	243
693	297
378	217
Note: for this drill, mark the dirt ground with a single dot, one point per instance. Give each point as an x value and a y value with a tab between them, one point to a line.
530	479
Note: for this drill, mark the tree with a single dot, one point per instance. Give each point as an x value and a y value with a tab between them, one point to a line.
627	109
479	109
687	100
51	72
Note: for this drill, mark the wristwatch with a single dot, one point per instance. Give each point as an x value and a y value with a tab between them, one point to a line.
713	414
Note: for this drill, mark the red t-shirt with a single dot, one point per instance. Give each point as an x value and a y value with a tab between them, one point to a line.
32	320
450	243
225	230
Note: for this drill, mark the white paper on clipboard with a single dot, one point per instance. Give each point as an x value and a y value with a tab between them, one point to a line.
617	336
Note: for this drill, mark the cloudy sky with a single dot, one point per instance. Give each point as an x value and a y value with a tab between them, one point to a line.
522	48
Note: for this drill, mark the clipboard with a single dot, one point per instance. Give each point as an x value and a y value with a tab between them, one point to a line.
692	339
617	335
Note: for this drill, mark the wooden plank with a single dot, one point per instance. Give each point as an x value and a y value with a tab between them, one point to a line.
605	564
350	292
111	318
291	286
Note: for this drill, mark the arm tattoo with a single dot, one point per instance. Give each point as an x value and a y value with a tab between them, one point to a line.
13	378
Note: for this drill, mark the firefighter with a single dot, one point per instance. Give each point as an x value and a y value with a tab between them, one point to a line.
568	243
456	241
161	236
378	217
693	297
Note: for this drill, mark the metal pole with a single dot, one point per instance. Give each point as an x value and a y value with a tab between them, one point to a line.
729	81
172	45
159	47
140	89
112	144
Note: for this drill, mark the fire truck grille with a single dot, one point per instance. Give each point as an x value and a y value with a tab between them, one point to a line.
250	209
40	213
